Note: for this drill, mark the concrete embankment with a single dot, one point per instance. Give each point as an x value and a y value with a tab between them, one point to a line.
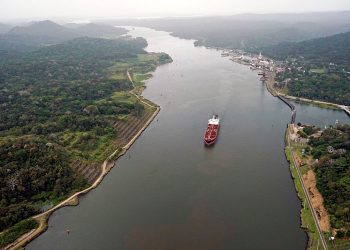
346	109
291	106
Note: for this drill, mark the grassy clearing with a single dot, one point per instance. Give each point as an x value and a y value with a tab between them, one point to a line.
140	78
96	148
124	97
118	71
142	64
297	148
117	75
148	57
16	231
88	145
118	66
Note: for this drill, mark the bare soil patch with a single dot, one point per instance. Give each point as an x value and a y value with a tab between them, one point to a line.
317	201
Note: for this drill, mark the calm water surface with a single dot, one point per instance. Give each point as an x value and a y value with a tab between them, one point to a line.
170	192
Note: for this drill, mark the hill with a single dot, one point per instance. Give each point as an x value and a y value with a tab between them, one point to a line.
249	31
316	69
34	35
98	30
47	33
45	29
323	50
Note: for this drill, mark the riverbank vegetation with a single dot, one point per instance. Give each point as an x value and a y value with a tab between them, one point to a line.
59	105
16	231
318	69
312	47
307	220
318	52
330	87
332	149
324	155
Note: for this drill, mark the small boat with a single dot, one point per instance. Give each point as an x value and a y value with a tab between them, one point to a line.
211	133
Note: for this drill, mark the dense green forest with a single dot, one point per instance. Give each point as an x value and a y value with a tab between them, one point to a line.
330	85
318	69
32	171
42	91
16	231
58	105
332	149
322	51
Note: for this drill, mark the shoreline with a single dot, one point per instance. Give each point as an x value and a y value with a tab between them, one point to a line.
293	168
73	200
317	238
308	218
107	165
322	104
269	80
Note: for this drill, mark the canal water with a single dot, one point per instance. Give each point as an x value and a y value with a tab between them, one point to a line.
171	192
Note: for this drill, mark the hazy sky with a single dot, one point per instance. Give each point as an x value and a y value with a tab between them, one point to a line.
40	9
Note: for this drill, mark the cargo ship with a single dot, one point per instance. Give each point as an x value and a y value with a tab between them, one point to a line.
211	133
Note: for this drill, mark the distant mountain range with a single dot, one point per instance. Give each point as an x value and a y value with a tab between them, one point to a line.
98	30
47	33
326	18
250	31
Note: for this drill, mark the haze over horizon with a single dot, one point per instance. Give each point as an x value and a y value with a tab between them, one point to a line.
12	10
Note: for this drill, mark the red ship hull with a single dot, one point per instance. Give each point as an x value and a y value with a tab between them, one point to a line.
211	134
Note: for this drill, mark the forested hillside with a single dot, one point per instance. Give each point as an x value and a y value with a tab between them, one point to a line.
317	69
98	30
33	36
321	51
58	106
